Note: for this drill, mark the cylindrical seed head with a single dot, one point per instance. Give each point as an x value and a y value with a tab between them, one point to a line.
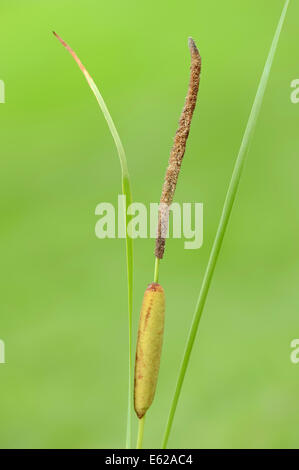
149	346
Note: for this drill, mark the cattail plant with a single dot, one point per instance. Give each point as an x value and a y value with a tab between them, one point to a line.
151	323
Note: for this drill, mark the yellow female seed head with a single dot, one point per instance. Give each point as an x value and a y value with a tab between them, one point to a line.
149	346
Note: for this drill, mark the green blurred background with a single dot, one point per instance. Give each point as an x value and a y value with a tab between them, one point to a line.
63	291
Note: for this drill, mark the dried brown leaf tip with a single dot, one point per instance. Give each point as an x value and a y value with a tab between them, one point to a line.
178	150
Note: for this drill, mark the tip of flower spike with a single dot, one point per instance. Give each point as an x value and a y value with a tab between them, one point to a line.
192	46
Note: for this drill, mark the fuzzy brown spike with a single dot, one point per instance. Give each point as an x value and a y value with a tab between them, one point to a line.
178	150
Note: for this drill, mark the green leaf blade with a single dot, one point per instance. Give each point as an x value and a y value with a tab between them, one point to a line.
126	190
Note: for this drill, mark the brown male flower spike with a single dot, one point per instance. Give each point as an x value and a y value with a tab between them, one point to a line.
178	150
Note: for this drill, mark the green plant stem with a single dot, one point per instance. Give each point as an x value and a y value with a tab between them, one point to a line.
228	204
156	274
126	190
140	432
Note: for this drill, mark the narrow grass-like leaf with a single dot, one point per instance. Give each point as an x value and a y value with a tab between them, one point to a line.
126	190
226	211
